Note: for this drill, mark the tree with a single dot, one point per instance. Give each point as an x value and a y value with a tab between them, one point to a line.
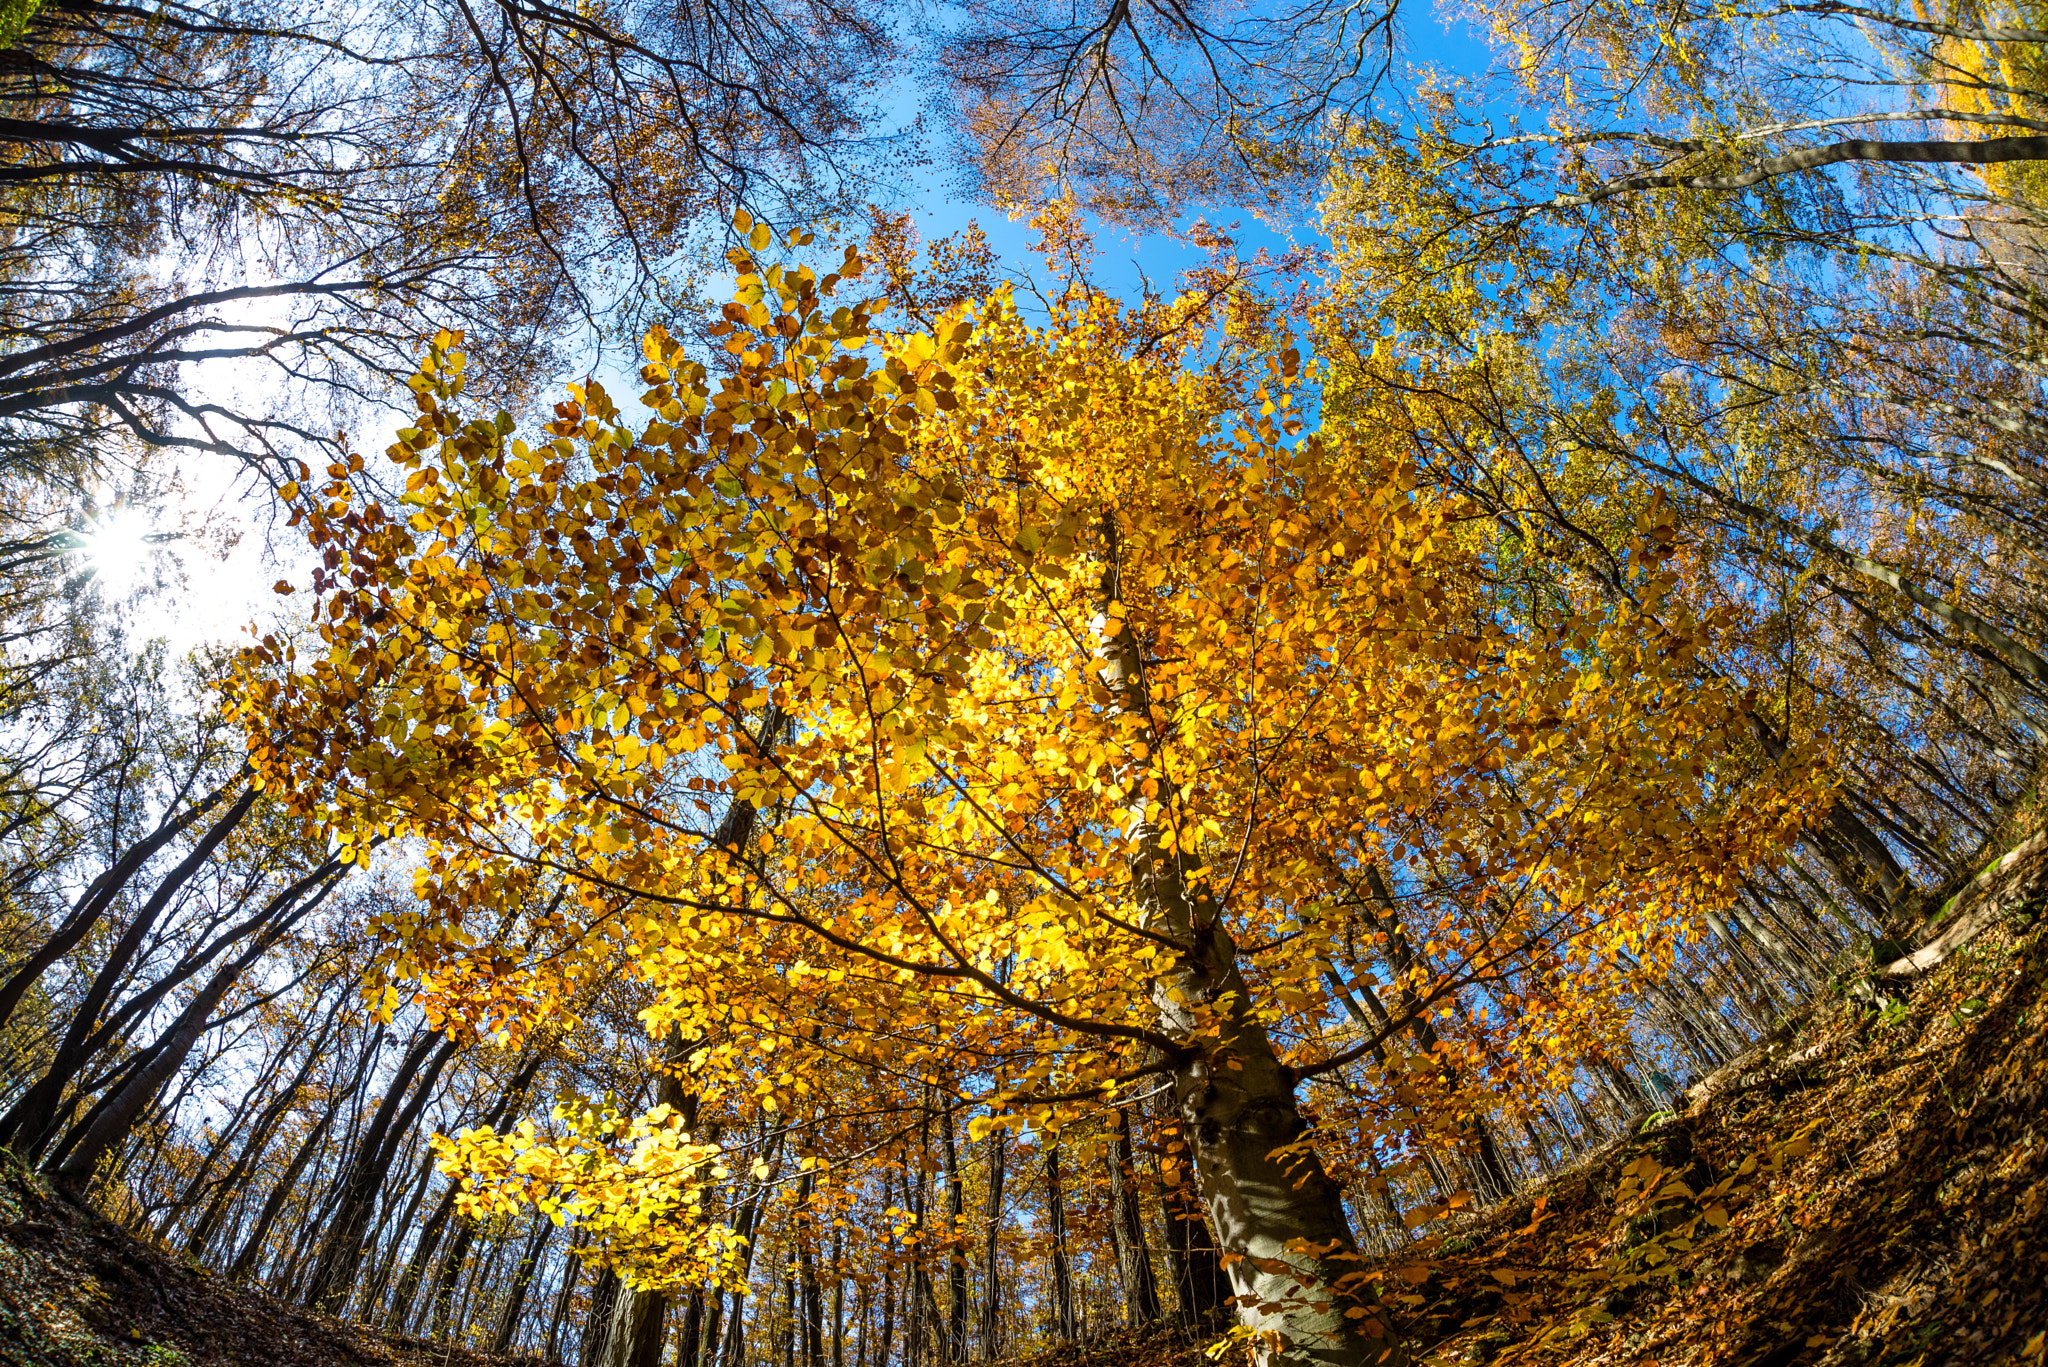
1091	670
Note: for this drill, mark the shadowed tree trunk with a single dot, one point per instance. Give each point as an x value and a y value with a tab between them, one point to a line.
522	1278
334	1273
1056	1239
690	1334
597	1330
34	1120
110	1124
245	1261
1198	1282
991	1279
92	904
634	1337
259	1138
956	1247
1127	1230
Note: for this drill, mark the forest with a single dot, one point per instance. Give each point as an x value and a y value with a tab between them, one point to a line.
1037	681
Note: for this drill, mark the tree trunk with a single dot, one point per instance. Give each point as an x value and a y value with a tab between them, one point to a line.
956	1249
522	1278
690	1336
1127	1232
838	1298
399	1313
508	1100
750	1215
633	1337
790	1313
1056	1239
814	1306
991	1280
572	1272
1476	1135
1199	1284
246	1259
597	1330
398	1224
259	1139
92	904
30	1124
887	1330
916	1331
223	1142
1864	863
1280	1217
714	1321
113	1123
443	1299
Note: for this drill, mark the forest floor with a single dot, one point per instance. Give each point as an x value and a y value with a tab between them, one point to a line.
1870	1190
78	1290
1868	1187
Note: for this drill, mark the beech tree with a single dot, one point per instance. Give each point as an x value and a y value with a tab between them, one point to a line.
1104	685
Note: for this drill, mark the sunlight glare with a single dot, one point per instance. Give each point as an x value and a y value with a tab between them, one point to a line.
118	548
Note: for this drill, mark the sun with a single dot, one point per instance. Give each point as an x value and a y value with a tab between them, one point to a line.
118	546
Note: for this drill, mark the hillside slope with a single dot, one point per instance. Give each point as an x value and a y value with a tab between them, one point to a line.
77	1290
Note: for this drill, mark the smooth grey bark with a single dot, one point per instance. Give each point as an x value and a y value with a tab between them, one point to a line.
632	1338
